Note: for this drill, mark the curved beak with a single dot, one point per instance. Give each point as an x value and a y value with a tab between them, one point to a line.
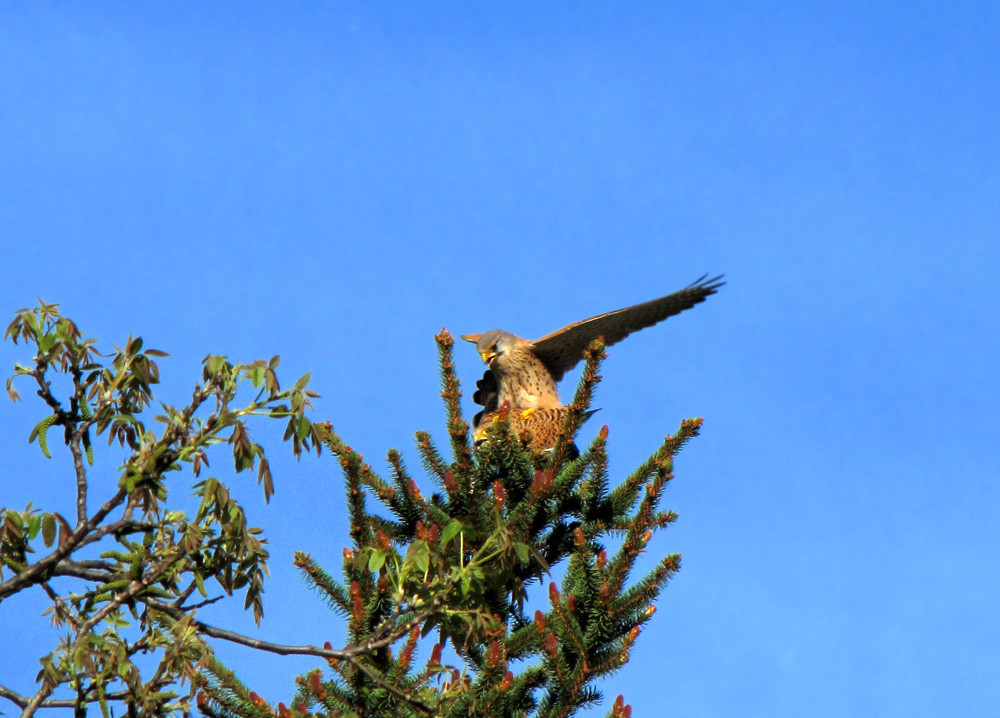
489	357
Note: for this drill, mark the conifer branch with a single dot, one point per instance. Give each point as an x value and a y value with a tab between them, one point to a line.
593	357
458	428
429	456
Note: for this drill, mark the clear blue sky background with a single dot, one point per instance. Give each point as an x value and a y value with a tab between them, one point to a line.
335	182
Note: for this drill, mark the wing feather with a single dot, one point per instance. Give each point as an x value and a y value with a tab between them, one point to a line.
561	350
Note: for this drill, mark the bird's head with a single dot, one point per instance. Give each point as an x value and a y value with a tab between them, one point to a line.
492	345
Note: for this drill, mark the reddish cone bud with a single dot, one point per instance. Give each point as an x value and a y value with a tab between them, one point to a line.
547	481
551	646
553	592
602	559
449	483
578	538
435	533
493	654
571	603
406	655
357	607
499	495
539	622
421	531
316	685
507	682
436	654
603	432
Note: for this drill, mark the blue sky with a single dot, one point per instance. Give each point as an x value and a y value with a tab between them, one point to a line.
334	182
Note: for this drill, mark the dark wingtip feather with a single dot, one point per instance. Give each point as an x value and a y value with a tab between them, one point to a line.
709	286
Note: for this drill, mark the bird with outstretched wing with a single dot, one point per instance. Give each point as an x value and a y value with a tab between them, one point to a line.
525	372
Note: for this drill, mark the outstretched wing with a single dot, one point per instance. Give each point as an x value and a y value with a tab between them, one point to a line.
561	350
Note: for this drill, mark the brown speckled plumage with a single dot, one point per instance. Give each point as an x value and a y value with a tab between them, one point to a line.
541	425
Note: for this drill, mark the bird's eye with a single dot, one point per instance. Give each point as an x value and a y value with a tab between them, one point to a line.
493	348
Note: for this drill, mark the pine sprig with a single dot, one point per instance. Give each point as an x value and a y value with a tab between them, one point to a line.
458	428
593	356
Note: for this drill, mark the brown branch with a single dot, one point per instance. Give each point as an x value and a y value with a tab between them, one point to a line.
61	609
79	394
45	391
40	569
68	568
341	654
22	701
81	480
201	604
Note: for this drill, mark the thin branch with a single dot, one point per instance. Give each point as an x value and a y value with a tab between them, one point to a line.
22	701
81	480
202	604
67	568
45	391
79	394
186	593
341	654
61	609
41	568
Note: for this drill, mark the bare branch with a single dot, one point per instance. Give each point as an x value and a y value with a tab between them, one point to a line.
65	568
81	479
347	653
22	701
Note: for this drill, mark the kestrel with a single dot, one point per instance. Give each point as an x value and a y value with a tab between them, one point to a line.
525	372
541	425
